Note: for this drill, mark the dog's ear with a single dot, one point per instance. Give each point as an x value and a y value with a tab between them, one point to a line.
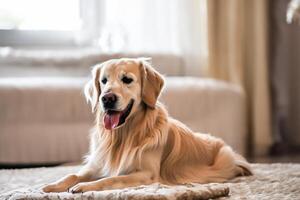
92	89
152	83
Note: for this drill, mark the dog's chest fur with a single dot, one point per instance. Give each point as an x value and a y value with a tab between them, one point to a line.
123	151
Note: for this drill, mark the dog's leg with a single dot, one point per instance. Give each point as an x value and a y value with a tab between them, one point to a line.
117	182
62	185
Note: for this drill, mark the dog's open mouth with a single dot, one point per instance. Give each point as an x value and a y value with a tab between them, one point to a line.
115	118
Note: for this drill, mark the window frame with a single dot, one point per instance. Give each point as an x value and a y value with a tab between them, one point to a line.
31	38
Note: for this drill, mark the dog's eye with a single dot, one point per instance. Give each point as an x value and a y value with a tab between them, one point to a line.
126	80
104	80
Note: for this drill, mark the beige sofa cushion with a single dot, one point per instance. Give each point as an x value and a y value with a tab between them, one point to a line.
46	120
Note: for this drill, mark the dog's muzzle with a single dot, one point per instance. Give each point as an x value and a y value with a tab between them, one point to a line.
114	118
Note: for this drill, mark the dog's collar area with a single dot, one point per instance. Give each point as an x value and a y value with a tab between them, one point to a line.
113	118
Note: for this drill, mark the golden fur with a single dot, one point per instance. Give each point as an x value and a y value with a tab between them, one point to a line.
149	146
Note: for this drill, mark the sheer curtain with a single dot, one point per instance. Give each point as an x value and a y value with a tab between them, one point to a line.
157	27
238	53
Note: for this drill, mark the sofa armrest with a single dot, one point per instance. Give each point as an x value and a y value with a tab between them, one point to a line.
209	106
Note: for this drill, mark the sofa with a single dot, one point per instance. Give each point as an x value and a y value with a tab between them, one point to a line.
44	118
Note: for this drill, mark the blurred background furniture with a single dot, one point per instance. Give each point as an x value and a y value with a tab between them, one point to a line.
45	119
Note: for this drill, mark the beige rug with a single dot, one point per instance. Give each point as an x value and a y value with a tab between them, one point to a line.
271	181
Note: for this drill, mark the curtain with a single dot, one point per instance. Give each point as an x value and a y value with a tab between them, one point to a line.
238	53
142	26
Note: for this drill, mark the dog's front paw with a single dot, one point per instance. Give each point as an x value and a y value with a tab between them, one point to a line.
84	187
81	187
62	185
54	188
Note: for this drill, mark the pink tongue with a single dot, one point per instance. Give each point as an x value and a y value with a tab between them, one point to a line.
111	121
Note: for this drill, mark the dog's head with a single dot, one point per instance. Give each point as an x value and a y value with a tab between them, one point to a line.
119	87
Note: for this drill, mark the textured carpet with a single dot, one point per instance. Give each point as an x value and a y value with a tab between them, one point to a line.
271	181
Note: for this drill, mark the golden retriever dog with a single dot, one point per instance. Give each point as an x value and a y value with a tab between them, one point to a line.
136	142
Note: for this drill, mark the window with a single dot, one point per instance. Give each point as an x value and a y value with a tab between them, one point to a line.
40	15
172	27
38	21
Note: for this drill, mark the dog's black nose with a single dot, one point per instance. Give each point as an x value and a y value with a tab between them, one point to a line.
109	100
